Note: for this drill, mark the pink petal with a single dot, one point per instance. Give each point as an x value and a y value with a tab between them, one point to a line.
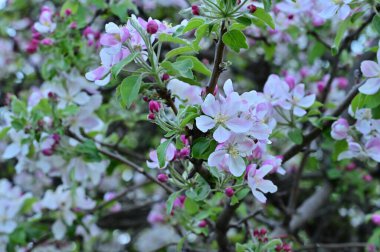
236	165
216	158
210	106
371	86
221	134
238	125
307	101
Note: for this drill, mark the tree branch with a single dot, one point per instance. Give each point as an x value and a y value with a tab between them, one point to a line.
217	70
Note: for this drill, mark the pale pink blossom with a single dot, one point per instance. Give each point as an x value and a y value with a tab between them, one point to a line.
371	70
169	156
258	184
339	129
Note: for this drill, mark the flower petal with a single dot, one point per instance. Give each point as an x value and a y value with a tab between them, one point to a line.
221	134
371	86
236	165
370	68
204	123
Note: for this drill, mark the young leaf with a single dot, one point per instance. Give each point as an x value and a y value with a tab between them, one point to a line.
296	136
197	65
161	152
119	66
193	24
129	89
339	36
170	202
261	14
235	40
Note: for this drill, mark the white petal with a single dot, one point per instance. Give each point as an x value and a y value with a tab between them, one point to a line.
267	186
221	134
112	28
236	165
59	230
11	151
204	123
370	68
371	86
210	106
299	111
259	196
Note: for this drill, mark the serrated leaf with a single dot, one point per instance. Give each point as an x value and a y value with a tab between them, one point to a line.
235	40
197	65
193	24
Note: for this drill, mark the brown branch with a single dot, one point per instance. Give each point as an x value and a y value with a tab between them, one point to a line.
218	59
222	226
118	157
245	219
319	39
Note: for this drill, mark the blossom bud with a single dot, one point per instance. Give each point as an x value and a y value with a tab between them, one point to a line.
351	166
47	41
367	178
229	192
321	86
163	178
68	12
52	95
202	224
287	247
154	106
73	25
146	99
291	81
32	46
151	116
339	129
256	233
376	219
278	248
47	152
263	231
165	77
342	82
251	8
56	138
152	27
195	10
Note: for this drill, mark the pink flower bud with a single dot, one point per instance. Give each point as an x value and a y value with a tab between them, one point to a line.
73	25
152	27
342	82
47	41
52	96
32	46
339	129
287	247
202	224
256	233
151	116
56	138
195	10
321	86
163	178
376	219
351	166
263	231
154	106
251	8
48	152
68	12
291	81
367	178
229	192
165	77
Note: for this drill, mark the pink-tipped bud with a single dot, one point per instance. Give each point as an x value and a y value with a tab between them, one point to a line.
263	231
351	166
47	41
251	8
278	248
73	25
165	77
48	152
342	82
151	116
154	106
195	10
287	247
229	192
152	27
68	12
291	81
367	178
32	46
202	224
163	178
256	233
56	138
52	96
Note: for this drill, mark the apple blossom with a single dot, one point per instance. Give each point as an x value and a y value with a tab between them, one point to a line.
339	129
371	70
258	184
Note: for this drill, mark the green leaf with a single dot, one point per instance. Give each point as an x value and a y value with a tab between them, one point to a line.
119	66
191	206
203	147
179	51
179	68
296	136
235	40
262	15
163	37
193	24
271	245
200	192
89	151
339	36
69	4
365	101
18	236
339	147
18	107
120	9
161	152
199	34
129	89
375	114
376	23
170	202
267	5
4	132
197	65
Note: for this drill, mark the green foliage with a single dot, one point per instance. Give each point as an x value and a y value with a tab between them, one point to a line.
161	152
203	147
296	136
119	66
128	90
262	15
235	40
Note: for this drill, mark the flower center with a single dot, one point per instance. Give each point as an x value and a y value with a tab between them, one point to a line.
221	119
232	151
